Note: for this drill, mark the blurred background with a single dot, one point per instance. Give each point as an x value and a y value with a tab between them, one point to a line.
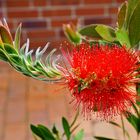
24	100
42	20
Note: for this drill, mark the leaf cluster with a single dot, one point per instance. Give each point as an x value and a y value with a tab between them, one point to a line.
23	60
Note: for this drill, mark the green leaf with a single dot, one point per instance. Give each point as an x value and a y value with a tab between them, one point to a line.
122	14
138	89
134	26
90	31
71	33
134	121
66	128
138	93
122	37
102	138
106	32
36	131
23	61
17	37
136	109
46	132
42	132
79	135
15	59
131	7
3	55
54	130
9	49
5	35
138	102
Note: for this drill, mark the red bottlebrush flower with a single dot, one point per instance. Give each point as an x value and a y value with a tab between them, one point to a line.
100	78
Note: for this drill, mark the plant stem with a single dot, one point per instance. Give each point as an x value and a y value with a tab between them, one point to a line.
58	138
123	127
137	136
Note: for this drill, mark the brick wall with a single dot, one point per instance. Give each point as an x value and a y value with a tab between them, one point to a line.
24	100
42	19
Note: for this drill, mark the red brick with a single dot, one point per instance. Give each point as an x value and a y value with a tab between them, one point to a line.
54	91
15	131
98	21
22	14
57	42
35	91
1	123
59	23
1	2
3	100
56	13
113	10
10	24
97	1
120	1
61	33
4	79
37	43
18	77
65	2
20	107
39	2
90	11
38	117
15	93
37	105
4	68
29	24
1	14
39	34
17	3
59	108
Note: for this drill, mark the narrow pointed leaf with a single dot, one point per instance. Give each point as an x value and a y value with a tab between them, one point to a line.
66	128
122	15
5	35
71	33
3	55
9	49
136	109
102	138
5	24
46	132
17	37
22	59
134	121
36	131
134	26
16	59
54	130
